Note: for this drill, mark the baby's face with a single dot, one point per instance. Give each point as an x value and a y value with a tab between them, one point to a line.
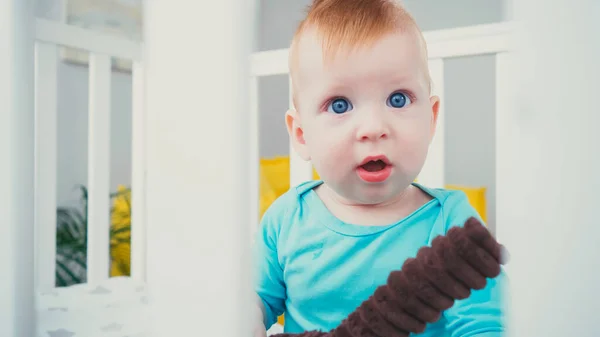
367	103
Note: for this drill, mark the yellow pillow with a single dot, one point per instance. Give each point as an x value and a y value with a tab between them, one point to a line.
274	180
476	196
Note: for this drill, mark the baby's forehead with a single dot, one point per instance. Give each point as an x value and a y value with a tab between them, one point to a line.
395	52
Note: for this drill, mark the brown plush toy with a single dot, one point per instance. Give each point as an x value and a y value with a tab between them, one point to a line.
425	286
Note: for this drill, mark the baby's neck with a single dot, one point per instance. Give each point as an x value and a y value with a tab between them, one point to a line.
382	214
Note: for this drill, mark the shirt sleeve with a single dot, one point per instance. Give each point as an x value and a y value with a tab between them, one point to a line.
482	314
269	284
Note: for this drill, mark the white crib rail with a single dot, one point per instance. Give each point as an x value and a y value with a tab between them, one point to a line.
50	36
98	168
254	155
45	163
94	42
138	175
464	41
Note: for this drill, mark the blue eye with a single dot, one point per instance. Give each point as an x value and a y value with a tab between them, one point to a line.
339	106
398	100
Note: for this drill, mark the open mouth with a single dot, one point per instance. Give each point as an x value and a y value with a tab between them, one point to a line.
374	165
375	169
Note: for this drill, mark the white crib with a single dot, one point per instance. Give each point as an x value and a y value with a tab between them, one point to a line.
206	297
103	306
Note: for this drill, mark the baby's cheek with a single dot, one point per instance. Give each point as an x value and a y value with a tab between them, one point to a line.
413	147
333	156
336	154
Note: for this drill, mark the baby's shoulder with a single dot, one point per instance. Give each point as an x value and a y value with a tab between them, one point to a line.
455	207
283	205
288	206
448	198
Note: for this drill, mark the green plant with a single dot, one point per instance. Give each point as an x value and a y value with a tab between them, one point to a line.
71	243
71	239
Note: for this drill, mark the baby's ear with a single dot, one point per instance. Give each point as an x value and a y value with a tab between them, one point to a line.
434	103
294	128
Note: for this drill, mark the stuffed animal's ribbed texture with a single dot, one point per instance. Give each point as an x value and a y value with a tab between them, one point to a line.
426	285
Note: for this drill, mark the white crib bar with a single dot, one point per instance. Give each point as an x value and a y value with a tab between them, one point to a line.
198	214
99	168
506	130
554	195
472	40
138	175
270	62
17	172
254	155
300	169
46	56
89	40
432	174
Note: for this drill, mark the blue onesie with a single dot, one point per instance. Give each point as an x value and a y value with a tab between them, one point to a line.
318	269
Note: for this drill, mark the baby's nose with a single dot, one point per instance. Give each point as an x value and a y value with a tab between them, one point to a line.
372	128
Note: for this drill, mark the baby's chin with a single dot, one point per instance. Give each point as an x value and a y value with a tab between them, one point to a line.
382	197
369	194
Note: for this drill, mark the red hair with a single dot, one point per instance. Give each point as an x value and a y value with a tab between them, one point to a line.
355	23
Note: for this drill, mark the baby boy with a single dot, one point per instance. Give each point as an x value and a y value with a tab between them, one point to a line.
364	116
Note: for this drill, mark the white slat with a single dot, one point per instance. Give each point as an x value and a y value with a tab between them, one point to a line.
507	138
89	40
554	194
99	168
432	174
17	153
46	56
138	175
469	41
269	62
300	170
198	211
254	155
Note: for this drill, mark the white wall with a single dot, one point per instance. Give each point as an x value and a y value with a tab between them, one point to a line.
72	122
469	96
